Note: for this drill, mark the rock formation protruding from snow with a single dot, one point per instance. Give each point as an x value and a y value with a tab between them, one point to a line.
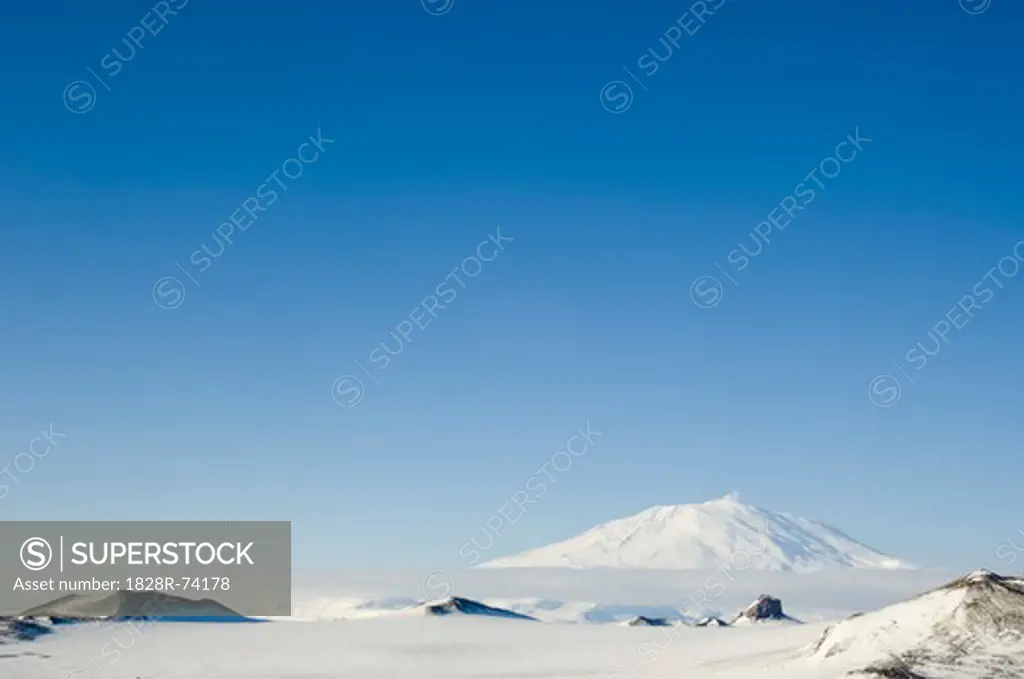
706	536
455	605
15	629
644	621
763	609
711	621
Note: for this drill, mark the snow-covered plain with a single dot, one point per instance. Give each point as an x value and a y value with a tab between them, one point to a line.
388	648
607	596
386	635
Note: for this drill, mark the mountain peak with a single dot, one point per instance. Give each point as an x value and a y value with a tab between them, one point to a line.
972	624
706	536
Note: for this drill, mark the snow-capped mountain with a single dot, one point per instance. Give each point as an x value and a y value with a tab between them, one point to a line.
972	627
708	536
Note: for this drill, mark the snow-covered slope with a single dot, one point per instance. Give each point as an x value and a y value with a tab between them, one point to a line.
708	536
974	626
125	604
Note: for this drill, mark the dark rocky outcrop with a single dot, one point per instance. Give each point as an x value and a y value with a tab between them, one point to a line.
891	669
711	622
764	608
21	630
469	607
644	621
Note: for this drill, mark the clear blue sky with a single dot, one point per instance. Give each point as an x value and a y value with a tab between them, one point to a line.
492	113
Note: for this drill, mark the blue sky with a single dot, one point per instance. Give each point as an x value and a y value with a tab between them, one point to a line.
444	127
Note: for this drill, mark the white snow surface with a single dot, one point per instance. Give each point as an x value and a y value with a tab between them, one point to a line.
412	648
704	536
973	626
606	595
389	635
